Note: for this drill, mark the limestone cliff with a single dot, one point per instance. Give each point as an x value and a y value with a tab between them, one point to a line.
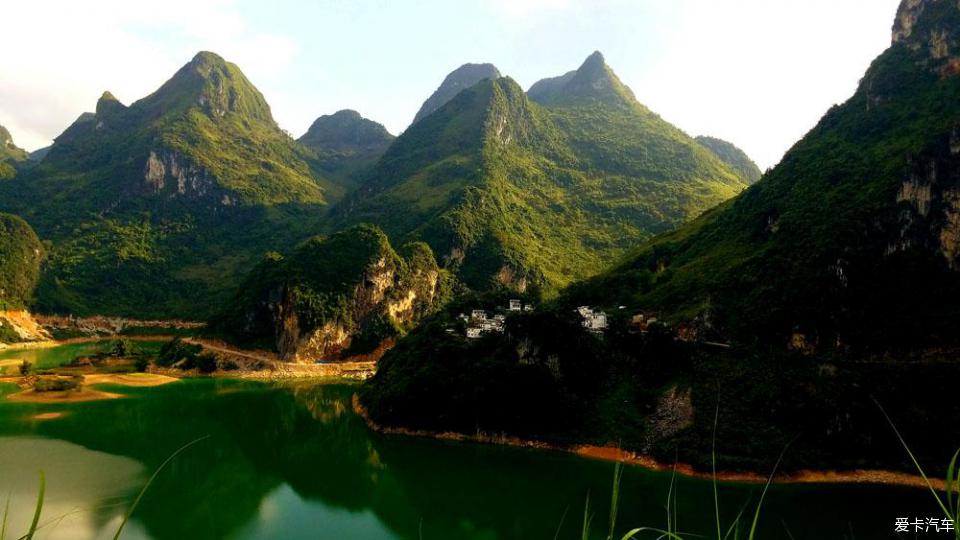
334	297
18	326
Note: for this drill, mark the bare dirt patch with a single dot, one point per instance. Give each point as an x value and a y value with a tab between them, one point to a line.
68	396
47	416
128	379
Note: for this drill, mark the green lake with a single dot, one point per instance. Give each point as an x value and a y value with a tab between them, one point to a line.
291	460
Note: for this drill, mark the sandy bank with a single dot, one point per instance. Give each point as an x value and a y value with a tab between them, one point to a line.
614	454
128	379
47	416
69	396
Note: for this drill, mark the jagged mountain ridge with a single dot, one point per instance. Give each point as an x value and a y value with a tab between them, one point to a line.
168	198
511	193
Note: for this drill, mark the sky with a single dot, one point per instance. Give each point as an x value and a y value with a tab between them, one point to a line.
759	73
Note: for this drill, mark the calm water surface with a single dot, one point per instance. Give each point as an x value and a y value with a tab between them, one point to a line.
291	460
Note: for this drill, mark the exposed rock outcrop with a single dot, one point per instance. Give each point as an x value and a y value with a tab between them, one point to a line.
335	297
21	324
931	199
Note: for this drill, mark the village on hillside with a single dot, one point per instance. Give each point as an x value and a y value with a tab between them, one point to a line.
595	320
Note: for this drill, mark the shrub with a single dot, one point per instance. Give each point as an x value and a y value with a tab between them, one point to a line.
206	362
58	384
230	365
176	351
121	348
141	363
25	368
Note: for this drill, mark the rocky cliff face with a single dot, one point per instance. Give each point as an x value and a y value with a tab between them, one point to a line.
379	294
334	297
929	202
18	326
931	27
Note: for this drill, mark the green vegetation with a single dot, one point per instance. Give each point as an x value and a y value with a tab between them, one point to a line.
346	144
848	245
58	384
546	378
829	283
177	353
157	209
736	158
348	279
515	194
11	157
77	354
455	82
20	255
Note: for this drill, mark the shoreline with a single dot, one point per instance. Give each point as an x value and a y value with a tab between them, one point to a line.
614	454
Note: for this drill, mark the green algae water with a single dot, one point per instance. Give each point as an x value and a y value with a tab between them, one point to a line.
49	357
291	460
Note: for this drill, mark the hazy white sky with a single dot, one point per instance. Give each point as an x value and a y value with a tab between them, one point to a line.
759	73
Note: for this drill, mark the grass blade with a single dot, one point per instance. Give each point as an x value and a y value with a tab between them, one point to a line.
673	479
763	494
556	535
951	485
713	462
585	532
6	512
615	498
146	486
663	534
914	460
39	509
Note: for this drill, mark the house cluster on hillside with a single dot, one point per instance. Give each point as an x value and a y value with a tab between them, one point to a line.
479	323
642	322
594	321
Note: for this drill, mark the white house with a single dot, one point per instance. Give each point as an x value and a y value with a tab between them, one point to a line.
478	314
592	320
473	332
516	305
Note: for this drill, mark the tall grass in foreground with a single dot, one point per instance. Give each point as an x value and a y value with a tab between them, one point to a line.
35	525
950	505
737	530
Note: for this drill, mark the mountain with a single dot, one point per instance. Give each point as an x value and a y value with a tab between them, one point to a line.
333	297
20	255
512	193
850	244
542	89
346	143
39	154
593	82
457	81
737	159
156	208
11	156
777	320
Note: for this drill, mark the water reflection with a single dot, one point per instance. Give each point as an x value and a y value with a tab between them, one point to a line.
291	460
